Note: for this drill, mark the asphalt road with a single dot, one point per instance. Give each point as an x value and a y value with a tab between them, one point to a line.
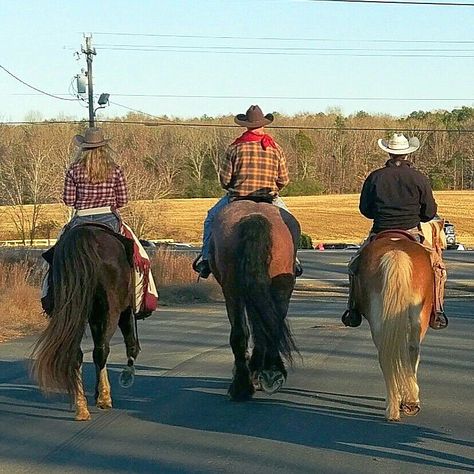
329	418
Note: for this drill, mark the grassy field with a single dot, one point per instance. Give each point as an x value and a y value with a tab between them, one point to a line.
333	218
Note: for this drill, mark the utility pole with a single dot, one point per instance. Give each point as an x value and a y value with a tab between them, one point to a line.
89	51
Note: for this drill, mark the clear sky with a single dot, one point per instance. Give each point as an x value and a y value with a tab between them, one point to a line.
291	72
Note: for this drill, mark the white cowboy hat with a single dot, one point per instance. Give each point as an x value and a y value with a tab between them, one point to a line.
398	144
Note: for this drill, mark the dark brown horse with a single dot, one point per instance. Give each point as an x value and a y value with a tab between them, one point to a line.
91	283
253	253
394	291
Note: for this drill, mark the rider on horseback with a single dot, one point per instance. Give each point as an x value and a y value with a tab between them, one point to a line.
398	197
254	168
95	188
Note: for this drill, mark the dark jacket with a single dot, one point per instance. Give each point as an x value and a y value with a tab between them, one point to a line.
397	197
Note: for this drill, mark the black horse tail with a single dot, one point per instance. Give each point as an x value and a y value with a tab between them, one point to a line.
254	253
56	354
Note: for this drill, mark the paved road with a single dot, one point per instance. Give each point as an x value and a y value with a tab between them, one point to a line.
177	417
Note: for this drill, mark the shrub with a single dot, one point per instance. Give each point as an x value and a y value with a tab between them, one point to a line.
305	242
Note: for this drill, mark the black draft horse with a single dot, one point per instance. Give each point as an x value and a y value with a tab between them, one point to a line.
91	281
253	251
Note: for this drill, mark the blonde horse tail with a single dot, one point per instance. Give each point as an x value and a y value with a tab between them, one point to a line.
394	355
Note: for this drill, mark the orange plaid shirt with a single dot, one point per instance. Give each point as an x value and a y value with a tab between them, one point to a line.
249	170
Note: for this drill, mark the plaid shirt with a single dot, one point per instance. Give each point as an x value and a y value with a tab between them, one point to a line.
81	194
249	170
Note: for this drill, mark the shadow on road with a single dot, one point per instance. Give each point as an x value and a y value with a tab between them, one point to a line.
331	421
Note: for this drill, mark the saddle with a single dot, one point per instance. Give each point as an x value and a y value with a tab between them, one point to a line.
48	255
395	234
268	198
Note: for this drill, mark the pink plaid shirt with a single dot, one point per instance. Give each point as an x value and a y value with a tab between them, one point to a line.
81	194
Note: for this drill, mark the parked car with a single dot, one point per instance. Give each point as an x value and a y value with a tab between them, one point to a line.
450	233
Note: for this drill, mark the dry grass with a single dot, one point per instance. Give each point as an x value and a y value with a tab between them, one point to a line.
20	308
177	281
333	218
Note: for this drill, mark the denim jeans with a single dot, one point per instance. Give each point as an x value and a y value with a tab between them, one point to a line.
211	214
109	219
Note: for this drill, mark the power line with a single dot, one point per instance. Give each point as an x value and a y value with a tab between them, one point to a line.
402	2
282	38
35	88
220	125
275	97
153	47
207	50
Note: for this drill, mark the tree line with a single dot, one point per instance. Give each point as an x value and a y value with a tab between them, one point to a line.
327	153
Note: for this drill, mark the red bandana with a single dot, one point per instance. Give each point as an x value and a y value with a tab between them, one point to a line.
248	136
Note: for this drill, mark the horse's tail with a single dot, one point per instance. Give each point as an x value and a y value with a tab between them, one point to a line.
253	257
397	300
56	354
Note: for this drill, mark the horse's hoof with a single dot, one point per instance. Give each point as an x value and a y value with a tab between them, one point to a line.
240	394
106	405
271	380
410	409
127	377
83	415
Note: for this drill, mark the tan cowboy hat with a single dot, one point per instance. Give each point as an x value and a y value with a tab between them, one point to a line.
93	138
253	118
398	144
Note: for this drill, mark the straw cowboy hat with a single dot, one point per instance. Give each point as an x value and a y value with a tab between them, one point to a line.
93	138
253	118
398	144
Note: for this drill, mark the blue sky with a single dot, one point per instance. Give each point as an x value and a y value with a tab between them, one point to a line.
39	39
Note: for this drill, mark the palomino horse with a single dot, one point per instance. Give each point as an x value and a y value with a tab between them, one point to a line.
395	292
253	258
91	283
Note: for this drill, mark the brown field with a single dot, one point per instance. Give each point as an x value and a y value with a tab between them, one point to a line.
333	218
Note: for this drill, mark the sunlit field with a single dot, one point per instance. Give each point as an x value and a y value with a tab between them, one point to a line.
331	218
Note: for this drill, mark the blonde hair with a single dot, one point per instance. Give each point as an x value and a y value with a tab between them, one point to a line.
98	163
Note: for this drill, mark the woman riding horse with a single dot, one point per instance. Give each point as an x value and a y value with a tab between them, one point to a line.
95	188
398	197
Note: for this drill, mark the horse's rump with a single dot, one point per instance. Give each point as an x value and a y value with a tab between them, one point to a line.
284	232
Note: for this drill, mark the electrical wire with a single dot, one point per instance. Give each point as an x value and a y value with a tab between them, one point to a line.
402	2
220	125
35	88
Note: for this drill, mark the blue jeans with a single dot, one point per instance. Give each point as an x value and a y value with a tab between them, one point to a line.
211	214
109	219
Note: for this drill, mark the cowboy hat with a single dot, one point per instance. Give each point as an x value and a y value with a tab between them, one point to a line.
253	118
93	138
398	144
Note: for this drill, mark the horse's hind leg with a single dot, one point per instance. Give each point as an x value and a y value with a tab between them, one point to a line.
80	401
127	326
410	404
100	354
241	388
273	374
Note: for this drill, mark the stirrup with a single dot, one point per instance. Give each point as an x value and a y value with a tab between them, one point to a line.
203	269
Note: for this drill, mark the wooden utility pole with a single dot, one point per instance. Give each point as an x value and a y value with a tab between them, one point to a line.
89	51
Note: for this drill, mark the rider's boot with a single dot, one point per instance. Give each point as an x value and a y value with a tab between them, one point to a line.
352	316
202	267
298	268
438	318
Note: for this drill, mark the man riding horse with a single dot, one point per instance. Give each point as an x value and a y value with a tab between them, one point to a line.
398	197
254	168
